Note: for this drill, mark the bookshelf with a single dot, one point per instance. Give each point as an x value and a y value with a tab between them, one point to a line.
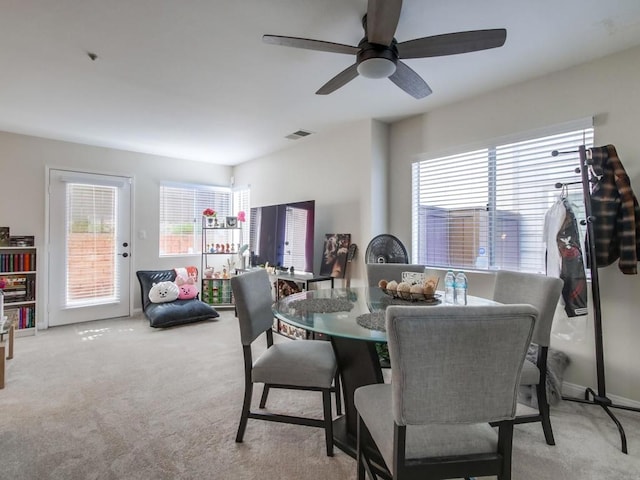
220	247
18	270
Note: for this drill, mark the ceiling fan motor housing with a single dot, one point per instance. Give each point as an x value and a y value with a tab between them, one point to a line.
376	61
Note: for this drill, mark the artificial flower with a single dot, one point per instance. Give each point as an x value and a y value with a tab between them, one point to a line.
241	216
209	212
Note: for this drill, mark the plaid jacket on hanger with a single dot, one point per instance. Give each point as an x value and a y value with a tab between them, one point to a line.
617	214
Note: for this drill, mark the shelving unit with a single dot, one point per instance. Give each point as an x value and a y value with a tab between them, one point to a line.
219	245
18	269
303	281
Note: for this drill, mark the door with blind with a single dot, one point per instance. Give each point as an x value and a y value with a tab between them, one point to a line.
89	261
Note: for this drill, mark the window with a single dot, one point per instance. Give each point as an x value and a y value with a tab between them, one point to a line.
240	202
91	213
295	233
181	209
484	209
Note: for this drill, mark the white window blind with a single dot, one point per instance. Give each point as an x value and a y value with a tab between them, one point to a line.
485	209
91	276
295	248
254	231
181	208
241	203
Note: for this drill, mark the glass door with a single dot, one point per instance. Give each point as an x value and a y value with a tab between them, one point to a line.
89	247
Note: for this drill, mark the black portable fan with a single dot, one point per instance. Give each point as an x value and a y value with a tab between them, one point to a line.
386	248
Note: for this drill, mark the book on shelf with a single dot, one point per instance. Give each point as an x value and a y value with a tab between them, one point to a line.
21	241
14	293
17	262
21	317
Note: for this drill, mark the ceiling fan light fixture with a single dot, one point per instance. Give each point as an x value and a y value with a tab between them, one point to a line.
376	67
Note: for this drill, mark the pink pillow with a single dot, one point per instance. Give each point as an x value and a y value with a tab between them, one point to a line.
186	288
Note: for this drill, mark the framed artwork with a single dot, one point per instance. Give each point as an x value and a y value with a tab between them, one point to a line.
232	222
4	236
334	254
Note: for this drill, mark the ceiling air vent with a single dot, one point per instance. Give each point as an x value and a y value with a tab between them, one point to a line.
297	135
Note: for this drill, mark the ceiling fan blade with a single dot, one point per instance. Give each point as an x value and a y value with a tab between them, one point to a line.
309	44
410	81
382	20
339	80
452	43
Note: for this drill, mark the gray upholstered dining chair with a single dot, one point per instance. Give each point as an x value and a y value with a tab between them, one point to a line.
290	364
389	271
543	293
455	374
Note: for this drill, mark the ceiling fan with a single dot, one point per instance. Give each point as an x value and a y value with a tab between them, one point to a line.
379	55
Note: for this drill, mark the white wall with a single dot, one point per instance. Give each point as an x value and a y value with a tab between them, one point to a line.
23	164
334	169
607	89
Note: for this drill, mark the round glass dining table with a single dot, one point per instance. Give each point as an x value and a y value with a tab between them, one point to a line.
353	319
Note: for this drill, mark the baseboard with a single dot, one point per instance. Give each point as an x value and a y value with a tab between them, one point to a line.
577	391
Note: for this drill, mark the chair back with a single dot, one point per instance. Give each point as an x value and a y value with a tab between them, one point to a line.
535	289
389	271
457	364
252	294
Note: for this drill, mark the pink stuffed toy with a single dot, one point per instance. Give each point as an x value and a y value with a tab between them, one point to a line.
186	288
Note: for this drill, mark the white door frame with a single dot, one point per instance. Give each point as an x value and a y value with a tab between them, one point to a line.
43	317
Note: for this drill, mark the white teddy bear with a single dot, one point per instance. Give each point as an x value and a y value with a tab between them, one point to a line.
163	292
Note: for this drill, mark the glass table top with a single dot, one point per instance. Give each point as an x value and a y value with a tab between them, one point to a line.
336	312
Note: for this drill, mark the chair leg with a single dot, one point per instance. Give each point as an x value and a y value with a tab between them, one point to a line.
265	393
328	421
336	383
363	442
246	406
360	446
505	447
543	408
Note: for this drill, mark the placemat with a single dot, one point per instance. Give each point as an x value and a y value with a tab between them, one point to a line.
321	305
372	321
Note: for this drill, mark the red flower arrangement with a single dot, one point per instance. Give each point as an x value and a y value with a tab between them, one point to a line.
209	212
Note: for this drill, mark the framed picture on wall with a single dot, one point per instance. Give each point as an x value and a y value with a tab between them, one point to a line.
4	236
334	254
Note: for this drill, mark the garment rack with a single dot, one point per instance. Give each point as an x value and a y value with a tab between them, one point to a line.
590	396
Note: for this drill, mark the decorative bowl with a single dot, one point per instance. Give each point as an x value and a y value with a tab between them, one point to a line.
414	297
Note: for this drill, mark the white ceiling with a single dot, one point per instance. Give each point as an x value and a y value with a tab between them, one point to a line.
192	78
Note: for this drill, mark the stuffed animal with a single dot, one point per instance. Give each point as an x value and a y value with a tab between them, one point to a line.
187	288
163	292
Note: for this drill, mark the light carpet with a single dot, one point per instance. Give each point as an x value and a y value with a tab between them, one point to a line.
116	399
